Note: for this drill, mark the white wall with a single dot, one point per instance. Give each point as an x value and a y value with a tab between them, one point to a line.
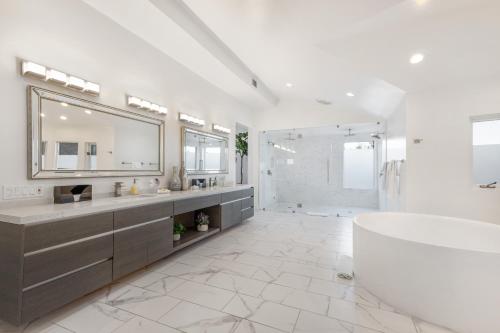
439	170
70	36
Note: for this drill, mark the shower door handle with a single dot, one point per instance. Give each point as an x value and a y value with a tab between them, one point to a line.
328	170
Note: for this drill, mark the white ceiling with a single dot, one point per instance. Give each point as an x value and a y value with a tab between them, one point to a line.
324	47
329	47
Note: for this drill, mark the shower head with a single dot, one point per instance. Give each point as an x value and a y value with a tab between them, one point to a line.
377	135
350	133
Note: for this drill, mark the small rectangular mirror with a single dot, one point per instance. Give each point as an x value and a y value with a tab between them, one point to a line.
204	153
71	137
486	149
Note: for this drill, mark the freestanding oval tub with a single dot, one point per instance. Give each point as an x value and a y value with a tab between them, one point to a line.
439	269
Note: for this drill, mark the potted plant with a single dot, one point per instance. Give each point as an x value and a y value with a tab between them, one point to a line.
179	229
242	150
202	220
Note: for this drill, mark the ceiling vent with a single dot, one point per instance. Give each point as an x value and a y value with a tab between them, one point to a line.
323	101
254	83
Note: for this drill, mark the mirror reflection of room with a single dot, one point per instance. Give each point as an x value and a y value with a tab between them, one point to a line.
78	138
204	153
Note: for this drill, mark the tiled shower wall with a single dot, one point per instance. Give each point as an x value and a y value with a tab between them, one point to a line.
313	175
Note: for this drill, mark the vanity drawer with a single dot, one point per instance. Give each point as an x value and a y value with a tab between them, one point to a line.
132	216
43	235
247	213
43	299
189	205
49	264
247	203
235	195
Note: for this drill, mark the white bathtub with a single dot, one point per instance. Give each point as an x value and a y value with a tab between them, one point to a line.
439	269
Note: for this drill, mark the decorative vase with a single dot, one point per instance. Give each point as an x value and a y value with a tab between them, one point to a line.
184	178
175	182
177	237
202	227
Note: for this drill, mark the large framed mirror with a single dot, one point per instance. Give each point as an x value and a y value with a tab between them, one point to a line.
71	138
204	153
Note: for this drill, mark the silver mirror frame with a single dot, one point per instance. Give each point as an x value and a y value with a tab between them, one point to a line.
35	95
186	130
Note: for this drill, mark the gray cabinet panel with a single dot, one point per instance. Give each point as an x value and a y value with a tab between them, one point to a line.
247	203
236	206
235	195
46	265
45	298
139	246
247	213
43	235
189	205
129	217
230	214
161	242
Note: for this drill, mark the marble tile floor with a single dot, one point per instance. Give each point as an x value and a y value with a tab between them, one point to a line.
275	273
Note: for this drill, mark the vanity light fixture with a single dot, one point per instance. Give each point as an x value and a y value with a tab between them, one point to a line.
61	78
191	120
221	129
30	68
143	104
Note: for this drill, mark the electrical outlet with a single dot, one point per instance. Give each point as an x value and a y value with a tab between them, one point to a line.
12	192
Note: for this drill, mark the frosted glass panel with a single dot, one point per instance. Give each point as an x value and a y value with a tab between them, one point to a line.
486	151
358	165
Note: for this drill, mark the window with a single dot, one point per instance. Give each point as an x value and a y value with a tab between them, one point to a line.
486	150
66	156
359	168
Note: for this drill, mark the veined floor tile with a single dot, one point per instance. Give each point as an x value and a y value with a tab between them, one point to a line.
208	296
38	326
237	283
143	278
142	325
308	301
142	302
293	280
267	274
165	284
276	293
247	326
234	267
258	260
194	318
370	317
188	272
328	288
314	323
424	327
255	309
96	318
308	270
194	260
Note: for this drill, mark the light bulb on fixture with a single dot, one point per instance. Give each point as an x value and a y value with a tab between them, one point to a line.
76	82
57	76
29	67
416	58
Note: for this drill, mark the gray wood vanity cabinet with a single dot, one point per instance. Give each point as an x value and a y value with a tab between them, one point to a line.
47	264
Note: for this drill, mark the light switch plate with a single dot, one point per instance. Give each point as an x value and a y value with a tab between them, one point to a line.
13	192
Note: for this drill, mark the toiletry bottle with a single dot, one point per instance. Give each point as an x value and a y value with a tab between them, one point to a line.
133	189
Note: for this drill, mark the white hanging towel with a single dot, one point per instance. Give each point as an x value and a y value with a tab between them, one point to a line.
392	173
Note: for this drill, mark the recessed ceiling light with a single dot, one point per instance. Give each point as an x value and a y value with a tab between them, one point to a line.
416	58
64	104
42	115
289	85
88	112
350	94
63	117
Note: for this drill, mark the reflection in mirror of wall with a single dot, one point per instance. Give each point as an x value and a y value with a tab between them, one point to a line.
486	149
73	137
204	153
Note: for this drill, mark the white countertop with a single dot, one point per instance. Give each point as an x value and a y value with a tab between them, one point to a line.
48	212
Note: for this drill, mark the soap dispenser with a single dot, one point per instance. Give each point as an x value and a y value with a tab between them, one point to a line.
134	190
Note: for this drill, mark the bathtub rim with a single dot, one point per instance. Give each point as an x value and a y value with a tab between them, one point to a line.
433	244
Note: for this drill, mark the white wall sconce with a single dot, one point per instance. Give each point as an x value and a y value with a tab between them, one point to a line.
191	120
220	129
55	76
147	105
